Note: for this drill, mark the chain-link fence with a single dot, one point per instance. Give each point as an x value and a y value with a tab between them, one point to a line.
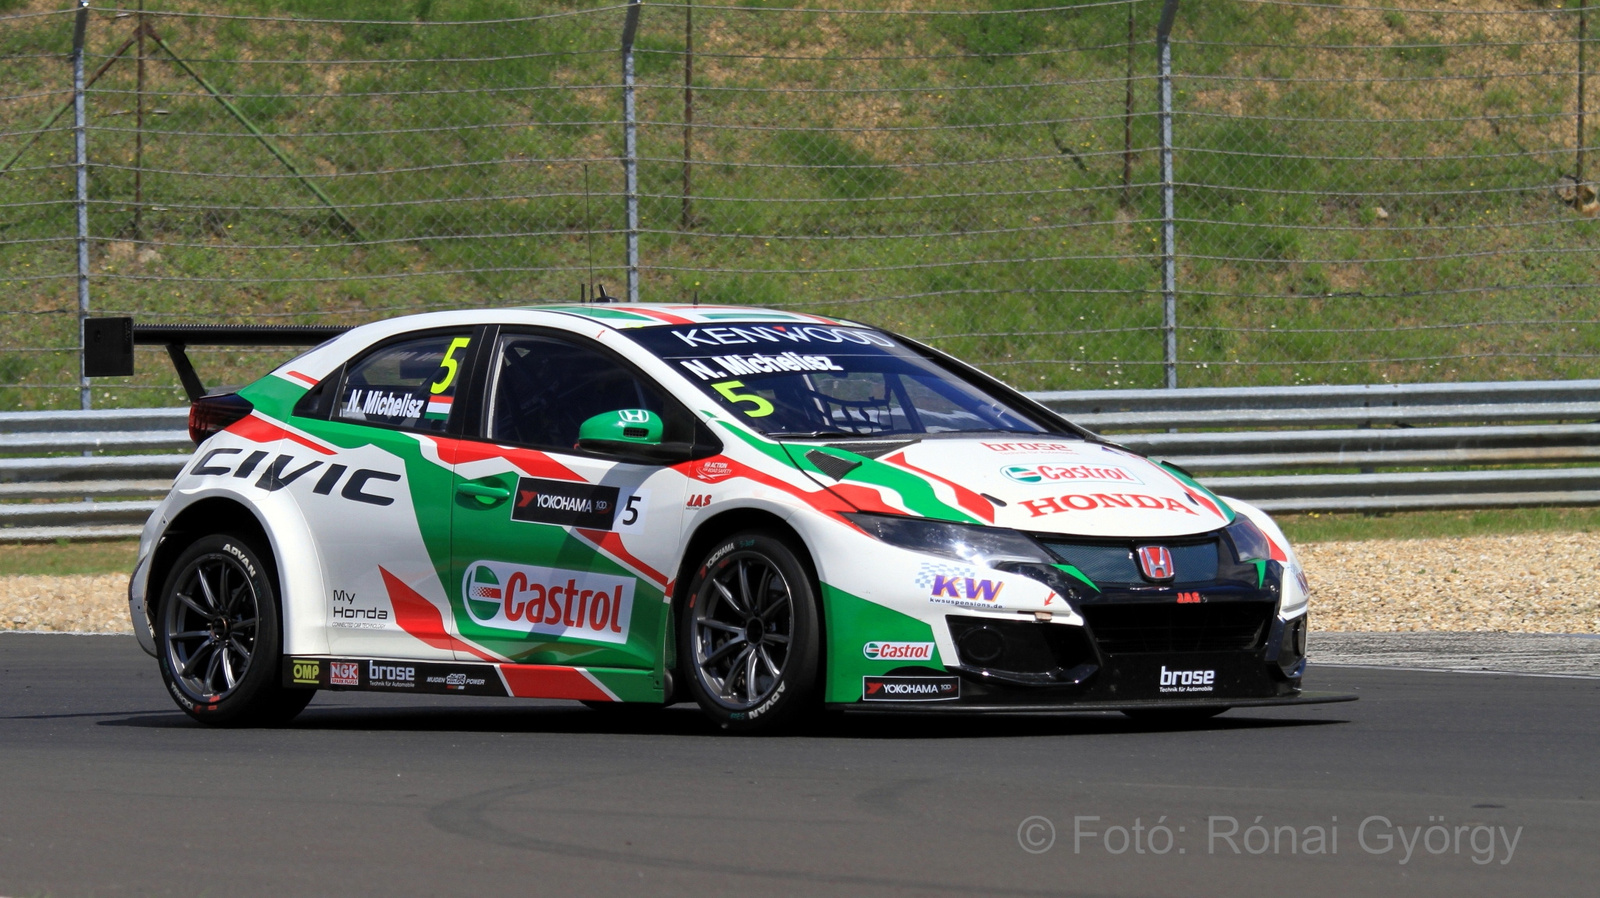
1359	193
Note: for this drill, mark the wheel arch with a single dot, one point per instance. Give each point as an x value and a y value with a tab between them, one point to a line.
735	520
296	585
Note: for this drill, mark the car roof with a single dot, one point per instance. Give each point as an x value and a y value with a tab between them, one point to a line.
632	315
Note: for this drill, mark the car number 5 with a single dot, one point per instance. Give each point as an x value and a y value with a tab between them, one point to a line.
450	365
729	388
630	512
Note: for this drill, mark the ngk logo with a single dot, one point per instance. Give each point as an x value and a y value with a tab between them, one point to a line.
898	651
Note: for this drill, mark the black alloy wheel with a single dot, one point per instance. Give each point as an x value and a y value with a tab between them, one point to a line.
217	634
750	634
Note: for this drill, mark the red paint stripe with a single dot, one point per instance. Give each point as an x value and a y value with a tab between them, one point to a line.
1277	553
611	542
822	500
530	461
420	618
980	507
303	377
550	681
260	430
864	498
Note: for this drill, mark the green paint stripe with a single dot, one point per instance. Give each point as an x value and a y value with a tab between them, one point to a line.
915	493
1261	573
630	685
1069	569
1227	512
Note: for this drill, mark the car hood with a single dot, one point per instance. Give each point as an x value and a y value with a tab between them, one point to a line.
1048	485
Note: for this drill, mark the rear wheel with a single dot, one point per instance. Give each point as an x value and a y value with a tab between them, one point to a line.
750	634
218	636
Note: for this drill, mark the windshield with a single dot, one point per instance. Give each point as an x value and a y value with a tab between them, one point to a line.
826	380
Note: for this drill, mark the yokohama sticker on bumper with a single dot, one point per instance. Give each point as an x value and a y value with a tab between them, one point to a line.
910	689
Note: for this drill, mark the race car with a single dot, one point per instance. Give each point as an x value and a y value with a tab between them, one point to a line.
765	512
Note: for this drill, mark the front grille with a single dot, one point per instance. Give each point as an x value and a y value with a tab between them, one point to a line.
1115	564
1023	647
1142	628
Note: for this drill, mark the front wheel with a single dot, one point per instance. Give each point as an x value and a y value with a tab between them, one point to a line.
217	636
750	634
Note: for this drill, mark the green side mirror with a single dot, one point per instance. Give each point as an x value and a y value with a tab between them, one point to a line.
621	429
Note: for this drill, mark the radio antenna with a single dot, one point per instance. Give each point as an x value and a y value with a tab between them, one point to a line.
588	224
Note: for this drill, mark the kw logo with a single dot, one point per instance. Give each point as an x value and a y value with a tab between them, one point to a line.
951	587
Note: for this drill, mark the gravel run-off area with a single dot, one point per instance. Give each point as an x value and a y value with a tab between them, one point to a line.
1527	583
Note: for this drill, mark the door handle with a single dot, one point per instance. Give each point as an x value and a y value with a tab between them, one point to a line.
483	491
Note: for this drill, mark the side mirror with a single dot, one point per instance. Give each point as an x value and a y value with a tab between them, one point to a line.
623	430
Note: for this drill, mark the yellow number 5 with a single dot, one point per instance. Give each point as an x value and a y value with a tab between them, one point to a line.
450	365
727	388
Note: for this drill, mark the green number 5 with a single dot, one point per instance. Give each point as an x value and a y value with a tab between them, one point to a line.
727	388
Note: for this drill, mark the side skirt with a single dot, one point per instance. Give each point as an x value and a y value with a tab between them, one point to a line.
595	684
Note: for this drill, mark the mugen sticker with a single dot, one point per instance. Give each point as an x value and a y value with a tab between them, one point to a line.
542	501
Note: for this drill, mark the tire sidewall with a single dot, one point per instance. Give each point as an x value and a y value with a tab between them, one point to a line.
798	687
259	687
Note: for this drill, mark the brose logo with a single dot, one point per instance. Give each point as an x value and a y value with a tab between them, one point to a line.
558	602
392	675
898	651
1187	680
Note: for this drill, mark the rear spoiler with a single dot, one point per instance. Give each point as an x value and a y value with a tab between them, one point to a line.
108	343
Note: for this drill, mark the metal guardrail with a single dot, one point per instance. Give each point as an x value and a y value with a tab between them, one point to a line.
1281	460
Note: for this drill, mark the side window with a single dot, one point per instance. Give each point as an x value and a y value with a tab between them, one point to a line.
411	385
544	388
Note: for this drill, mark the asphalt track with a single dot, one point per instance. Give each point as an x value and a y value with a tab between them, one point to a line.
105	789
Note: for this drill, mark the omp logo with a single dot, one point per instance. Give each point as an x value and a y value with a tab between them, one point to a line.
308	672
898	651
552	601
1187	680
1054	473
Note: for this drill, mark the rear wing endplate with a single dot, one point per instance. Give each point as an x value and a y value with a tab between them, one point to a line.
108	343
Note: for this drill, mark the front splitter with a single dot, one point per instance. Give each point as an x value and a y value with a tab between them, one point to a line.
958	707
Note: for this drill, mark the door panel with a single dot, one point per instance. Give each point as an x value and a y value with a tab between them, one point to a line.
377	502
562	557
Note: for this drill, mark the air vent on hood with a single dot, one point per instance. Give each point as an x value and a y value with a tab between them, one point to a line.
873	448
831	465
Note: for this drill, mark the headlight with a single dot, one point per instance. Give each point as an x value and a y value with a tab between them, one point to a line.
961	542
1249	543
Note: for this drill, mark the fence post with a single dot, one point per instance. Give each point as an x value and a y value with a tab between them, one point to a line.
630	147
1583	41
80	163
1169	261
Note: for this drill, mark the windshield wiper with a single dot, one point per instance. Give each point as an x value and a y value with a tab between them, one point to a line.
817	434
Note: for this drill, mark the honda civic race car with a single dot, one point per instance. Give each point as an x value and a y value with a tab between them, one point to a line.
763	512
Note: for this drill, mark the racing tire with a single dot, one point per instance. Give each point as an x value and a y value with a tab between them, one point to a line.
1174	717
749	635
218	637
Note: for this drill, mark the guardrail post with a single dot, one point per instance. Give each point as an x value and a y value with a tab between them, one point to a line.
630	147
81	166
1169	261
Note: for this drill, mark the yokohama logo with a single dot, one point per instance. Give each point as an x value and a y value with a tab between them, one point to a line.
898	651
